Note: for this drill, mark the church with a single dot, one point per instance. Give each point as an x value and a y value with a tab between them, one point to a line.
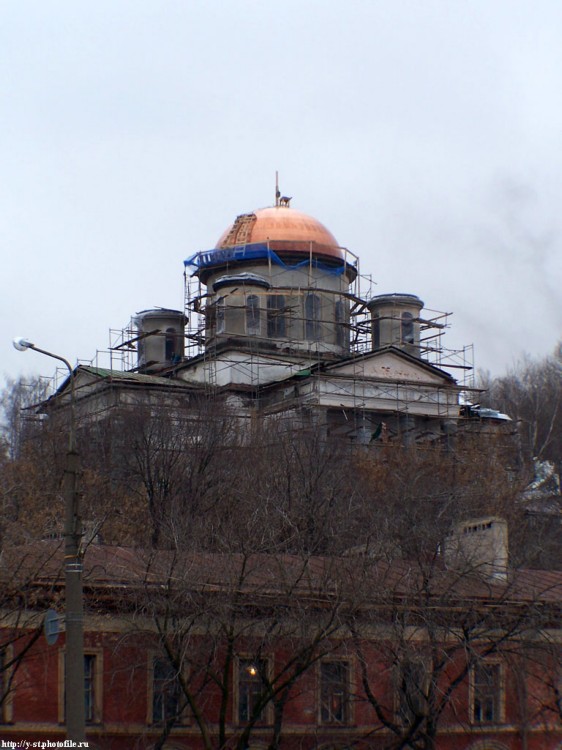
279	318
236	645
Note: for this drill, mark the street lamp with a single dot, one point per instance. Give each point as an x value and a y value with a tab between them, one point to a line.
74	607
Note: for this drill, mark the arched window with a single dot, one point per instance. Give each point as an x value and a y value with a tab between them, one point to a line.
312	328
253	323
341	329
407	328
220	315
376	331
171	340
276	319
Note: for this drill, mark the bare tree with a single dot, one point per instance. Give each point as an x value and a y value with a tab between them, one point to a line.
177	463
19	401
236	634
299	491
432	631
22	608
434	618
532	393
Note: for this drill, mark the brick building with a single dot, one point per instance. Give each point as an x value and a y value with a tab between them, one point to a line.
196	651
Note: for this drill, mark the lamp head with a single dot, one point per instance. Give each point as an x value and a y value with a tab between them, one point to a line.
22	344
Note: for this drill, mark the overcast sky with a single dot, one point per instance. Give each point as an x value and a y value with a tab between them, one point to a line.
426	135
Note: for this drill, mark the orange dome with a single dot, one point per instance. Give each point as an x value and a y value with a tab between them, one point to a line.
285	229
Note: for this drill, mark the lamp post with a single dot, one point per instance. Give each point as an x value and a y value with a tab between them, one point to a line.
74	607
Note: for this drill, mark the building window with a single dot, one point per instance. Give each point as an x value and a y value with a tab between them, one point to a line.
166	692
90	687
171	340
5	698
341	329
220	315
334	692
486	693
312	324
141	351
276	316
411	686
3	684
407	324
252	689
376	331
93	676
253	322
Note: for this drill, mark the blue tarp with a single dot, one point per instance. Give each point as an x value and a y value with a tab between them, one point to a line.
253	251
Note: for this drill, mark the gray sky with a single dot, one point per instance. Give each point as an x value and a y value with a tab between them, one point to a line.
426	135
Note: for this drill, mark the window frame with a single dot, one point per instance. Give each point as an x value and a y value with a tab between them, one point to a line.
276	316
252	315
404	713
6	684
266	717
97	684
141	350
326	721
312	317
407	330
342	326
182	715
171	345
376	330
498	698
220	315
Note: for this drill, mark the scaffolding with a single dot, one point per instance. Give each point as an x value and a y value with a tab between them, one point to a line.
201	343
200	306
300	351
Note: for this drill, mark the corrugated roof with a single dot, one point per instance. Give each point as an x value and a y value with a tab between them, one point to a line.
135	377
353	578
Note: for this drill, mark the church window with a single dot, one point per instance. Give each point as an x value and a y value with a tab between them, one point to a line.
341	330
171	339
407	328
312	306
276	316
253	322
376	331
220	315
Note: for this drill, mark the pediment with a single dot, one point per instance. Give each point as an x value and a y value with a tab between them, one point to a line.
88	379
391	364
83	376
